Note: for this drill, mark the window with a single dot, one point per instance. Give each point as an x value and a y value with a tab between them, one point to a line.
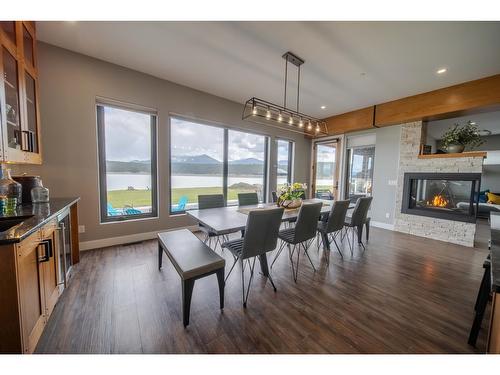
247	155
206	159
127	163
359	180
284	160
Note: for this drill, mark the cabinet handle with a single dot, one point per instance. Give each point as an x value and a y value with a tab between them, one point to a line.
47	245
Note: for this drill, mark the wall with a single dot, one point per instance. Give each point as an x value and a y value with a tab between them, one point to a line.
385	171
439	229
385	174
69	84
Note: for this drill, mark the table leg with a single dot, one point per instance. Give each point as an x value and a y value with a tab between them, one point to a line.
187	292
263	265
160	255
220	280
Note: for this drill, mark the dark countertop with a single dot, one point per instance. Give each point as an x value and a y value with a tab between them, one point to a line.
495	251
37	215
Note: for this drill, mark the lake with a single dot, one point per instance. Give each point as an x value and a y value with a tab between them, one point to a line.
119	181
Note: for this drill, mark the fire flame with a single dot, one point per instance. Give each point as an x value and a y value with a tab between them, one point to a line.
438	201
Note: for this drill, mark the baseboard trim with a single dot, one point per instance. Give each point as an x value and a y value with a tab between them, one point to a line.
379	224
123	240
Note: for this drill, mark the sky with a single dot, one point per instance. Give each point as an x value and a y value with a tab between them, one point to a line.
128	137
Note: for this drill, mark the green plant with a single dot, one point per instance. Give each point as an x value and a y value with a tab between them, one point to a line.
466	135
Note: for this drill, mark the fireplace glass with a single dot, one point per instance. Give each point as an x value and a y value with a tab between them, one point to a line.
447	196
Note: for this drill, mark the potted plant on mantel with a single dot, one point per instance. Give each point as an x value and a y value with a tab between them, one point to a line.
455	139
290	195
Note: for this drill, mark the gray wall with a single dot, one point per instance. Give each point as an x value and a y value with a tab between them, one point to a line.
69	84
385	170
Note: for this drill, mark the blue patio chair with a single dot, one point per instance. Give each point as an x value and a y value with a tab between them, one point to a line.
132	211
112	211
181	206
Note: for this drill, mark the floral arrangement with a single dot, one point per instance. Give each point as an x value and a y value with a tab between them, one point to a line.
290	195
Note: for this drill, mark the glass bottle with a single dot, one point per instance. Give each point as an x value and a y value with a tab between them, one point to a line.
10	192
40	194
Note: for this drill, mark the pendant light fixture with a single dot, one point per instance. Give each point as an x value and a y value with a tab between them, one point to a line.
264	112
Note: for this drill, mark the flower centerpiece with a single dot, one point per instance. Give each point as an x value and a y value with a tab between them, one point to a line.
455	139
290	195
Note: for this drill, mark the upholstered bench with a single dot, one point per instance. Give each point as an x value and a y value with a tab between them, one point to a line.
192	260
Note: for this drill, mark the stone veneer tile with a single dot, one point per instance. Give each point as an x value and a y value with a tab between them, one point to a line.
439	229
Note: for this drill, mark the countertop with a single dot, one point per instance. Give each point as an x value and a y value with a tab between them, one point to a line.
37	215
495	251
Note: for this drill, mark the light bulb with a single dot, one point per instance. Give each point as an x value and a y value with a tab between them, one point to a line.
280	118
254	110
290	121
309	126
301	123
268	114
317	128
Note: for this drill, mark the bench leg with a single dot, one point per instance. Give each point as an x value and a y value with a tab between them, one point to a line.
187	292
220	280
160	255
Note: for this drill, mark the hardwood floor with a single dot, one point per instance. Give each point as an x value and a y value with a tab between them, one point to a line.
404	294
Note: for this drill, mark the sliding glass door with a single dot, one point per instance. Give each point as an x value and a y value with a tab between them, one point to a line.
206	159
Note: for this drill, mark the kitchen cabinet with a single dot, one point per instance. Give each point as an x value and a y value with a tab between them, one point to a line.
33	273
19	94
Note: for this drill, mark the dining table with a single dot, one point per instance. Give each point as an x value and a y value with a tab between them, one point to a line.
231	219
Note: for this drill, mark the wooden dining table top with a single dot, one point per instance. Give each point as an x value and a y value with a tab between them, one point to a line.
233	218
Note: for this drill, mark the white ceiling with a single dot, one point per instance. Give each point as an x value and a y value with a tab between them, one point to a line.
238	60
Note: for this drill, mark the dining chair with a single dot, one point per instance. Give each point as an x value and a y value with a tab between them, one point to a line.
300	236
261	236
332	225
274	196
355	222
207	201
247	199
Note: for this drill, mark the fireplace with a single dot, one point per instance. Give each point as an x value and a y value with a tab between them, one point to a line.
451	196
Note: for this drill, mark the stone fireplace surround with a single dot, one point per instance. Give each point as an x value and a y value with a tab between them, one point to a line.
457	232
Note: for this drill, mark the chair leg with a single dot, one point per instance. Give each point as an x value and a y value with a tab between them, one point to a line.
245	295
338	248
283	243
367	226
160	255
481	303
349	242
231	270
359	231
306	246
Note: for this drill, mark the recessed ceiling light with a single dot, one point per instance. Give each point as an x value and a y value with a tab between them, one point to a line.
323	107
441	71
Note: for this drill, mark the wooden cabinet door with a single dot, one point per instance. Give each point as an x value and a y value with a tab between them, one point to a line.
50	274
30	258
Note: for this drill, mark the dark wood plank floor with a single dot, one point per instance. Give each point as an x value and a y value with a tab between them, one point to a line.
404	294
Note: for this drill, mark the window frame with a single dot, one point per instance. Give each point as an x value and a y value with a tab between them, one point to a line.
291	155
225	158
101	162
348	167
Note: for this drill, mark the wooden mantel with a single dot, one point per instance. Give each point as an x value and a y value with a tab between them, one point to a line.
452	101
469	154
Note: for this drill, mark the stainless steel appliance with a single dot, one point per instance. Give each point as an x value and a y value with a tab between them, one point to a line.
64	248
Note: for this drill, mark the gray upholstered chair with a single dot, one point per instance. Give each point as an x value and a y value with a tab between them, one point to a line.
275	196
333	224
300	236
355	222
247	199
261	236
211	201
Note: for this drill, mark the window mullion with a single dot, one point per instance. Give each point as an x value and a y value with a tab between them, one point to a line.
225	167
